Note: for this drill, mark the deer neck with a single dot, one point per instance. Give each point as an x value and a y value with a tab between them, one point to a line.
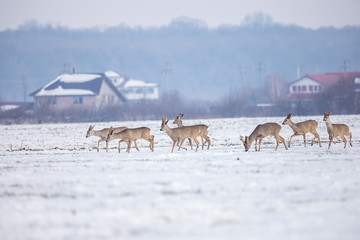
169	131
293	125
252	137
329	125
179	124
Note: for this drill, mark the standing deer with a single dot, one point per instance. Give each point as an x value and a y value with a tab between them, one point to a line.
336	130
261	131
202	127
131	134
102	134
178	135
302	128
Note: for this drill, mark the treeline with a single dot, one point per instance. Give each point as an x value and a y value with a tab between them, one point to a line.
204	62
269	101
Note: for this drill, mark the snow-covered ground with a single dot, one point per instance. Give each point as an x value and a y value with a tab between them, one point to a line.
55	185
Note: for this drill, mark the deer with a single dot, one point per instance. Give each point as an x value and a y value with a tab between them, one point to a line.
261	131
202	127
178	135
131	134
103	133
336	130
302	128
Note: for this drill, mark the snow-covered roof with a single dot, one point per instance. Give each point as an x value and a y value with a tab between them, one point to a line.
138	83
112	74
72	84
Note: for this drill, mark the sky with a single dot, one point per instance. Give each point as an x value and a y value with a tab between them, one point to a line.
152	13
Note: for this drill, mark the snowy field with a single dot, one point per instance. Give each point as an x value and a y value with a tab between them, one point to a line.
55	185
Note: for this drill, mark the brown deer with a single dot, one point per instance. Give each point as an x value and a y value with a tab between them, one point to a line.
336	130
202	127
302	128
131	134
178	135
261	131
102	134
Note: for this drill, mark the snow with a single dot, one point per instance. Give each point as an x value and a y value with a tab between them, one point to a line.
55	185
7	107
138	83
59	91
71	78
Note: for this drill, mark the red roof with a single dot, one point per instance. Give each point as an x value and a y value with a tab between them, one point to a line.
334	78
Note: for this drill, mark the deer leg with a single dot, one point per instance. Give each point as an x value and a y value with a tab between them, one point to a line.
344	139
304	139
182	141
277	142
99	144
107	146
292	137
189	139
208	140
331	139
197	144
260	141
136	145
129	145
152	142
174	142
350	139
119	145
256	145
283	141
202	142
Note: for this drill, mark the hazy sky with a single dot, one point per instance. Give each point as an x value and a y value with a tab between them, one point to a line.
102	13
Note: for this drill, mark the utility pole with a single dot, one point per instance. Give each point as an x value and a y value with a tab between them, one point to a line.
166	71
243	71
260	69
298	71
347	66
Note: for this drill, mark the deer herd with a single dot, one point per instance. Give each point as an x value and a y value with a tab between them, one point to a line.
181	133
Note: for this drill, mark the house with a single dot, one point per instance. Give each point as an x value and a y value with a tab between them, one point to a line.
316	93
133	89
310	86
77	92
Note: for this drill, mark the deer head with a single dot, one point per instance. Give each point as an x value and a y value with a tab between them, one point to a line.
287	119
164	122
327	117
246	143
90	131
110	134
178	119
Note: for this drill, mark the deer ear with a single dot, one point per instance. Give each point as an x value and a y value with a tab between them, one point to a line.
324	114
329	113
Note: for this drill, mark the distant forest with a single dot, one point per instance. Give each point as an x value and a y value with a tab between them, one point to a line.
202	63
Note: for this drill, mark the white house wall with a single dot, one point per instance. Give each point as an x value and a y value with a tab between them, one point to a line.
307	83
106	96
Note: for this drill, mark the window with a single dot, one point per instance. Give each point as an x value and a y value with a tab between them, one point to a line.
299	88
294	88
52	100
303	88
311	88
78	100
315	88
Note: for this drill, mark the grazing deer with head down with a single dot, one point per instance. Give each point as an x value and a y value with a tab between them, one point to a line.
131	134
302	128
202	127
178	135
102	134
336	130
261	131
